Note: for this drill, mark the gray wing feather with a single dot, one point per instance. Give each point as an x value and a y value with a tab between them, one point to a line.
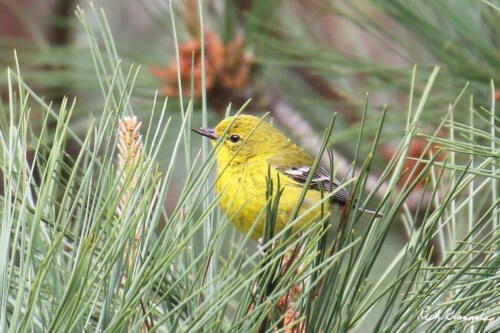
321	177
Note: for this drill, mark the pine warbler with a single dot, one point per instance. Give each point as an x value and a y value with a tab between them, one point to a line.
242	174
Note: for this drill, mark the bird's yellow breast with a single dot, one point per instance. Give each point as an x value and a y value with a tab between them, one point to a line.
243	187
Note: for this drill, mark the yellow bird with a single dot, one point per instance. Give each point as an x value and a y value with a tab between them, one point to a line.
242	172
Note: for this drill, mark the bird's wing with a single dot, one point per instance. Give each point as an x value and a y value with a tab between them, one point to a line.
296	165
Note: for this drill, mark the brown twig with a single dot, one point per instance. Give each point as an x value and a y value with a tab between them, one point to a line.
62	34
325	90
205	275
291	260
146	322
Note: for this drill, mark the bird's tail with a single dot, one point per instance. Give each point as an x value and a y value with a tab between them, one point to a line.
369	211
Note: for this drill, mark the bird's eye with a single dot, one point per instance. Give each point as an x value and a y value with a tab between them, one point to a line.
234	138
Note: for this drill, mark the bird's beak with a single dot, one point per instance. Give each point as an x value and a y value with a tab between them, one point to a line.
208	132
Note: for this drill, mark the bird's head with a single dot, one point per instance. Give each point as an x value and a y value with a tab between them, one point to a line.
256	138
